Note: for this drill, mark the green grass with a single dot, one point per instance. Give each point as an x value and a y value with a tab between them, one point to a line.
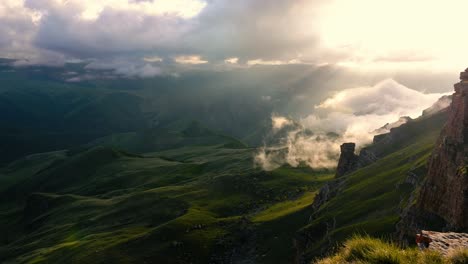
371	198
364	249
282	209
181	205
199	203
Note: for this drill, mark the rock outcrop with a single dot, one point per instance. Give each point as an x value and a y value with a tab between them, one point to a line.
446	243
348	160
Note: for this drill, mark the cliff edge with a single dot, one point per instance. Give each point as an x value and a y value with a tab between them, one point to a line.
442	202
445	192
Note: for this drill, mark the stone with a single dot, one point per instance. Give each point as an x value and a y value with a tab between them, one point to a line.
348	159
446	243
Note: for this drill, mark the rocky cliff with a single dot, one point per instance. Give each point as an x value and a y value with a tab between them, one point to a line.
442	202
445	192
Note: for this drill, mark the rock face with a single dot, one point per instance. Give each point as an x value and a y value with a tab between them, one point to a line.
445	192
445	243
348	160
442	202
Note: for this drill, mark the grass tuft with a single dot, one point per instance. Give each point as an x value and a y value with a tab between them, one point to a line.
364	249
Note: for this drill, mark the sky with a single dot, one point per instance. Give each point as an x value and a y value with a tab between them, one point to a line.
349	66
144	37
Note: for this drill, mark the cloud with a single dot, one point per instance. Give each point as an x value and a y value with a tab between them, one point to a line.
18	28
126	68
352	115
61	30
259	31
144	71
395	34
273	62
385	97
232	60
254	31
279	122
153	59
193	59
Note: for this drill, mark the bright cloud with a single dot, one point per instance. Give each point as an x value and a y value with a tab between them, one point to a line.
193	59
394	34
232	60
279	122
273	62
352	114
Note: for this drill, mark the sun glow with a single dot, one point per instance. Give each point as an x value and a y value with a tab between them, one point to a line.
415	33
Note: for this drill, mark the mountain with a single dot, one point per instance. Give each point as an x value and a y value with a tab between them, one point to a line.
198	203
121	175
368	196
156	139
441	203
55	108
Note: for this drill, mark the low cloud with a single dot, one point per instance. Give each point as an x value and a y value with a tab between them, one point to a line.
127	68
193	59
351	115
279	122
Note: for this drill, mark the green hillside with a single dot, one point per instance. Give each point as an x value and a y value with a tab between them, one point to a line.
195	204
370	199
177	192
156	139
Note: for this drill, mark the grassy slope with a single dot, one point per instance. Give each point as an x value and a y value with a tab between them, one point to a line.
193	204
369	250
372	197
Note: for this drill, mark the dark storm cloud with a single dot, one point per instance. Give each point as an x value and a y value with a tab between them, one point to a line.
246	29
114	33
253	29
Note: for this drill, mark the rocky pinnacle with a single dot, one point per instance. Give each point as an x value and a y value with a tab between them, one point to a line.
348	160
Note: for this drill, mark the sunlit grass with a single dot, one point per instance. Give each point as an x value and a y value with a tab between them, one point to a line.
364	249
284	208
